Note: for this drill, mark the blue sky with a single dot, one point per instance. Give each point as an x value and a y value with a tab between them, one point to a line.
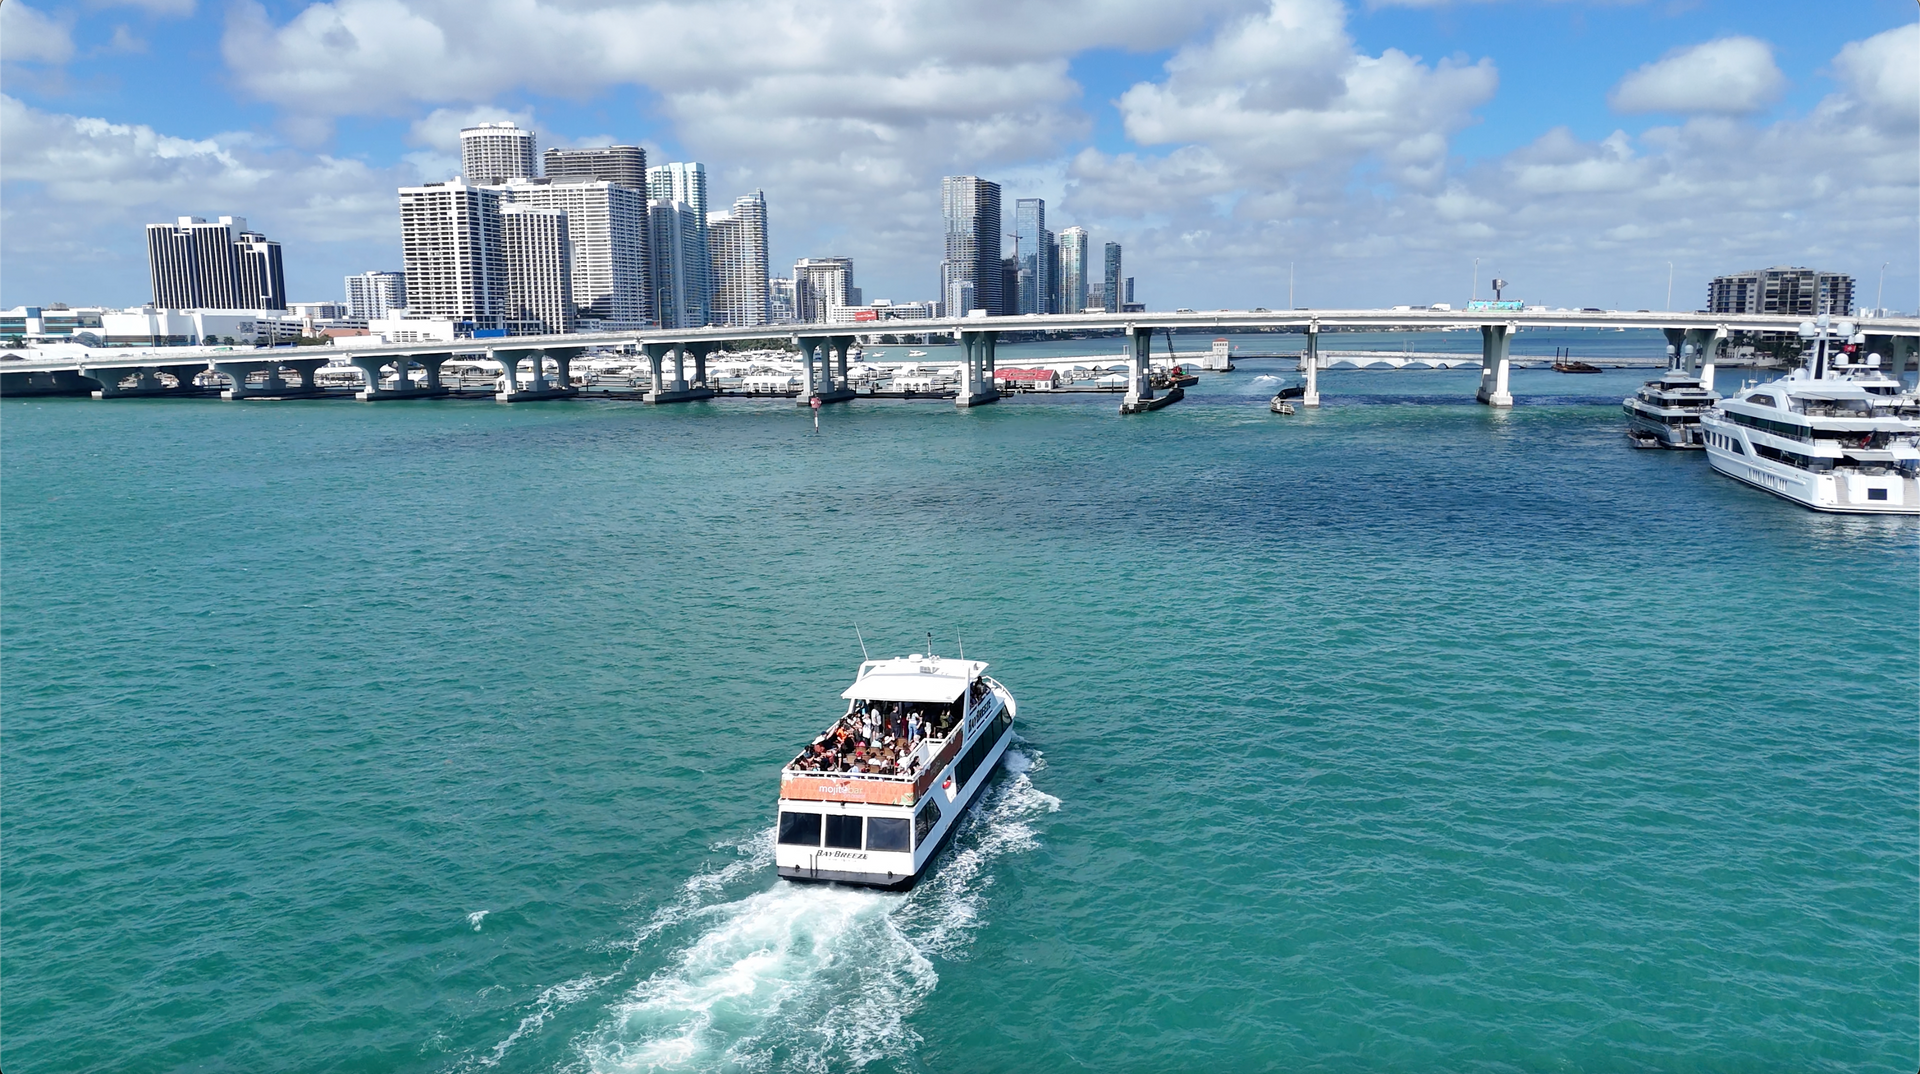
1220	142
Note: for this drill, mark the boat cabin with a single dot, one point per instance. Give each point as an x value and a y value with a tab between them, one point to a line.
899	728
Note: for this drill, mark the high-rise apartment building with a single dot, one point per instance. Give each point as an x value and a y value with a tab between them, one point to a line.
538	257
1073	270
680	269
493	153
374	296
609	234
737	241
822	285
780	300
195	264
455	260
1111	294
685	183
1801	292
625	165
1030	237
970	274
1052	296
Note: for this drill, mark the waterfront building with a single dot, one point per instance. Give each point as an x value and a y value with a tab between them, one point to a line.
679	271
493	153
780	300
450	242
373	295
882	309
539	257
821	286
1030	237
194	263
609	235
58	323
1073	270
1110	294
1782	289
1052	294
970	206
738	243
625	165
685	183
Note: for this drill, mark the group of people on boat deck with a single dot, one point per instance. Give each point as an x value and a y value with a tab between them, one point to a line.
877	737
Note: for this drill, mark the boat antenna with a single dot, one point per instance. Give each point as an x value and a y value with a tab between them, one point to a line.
963	645
863	643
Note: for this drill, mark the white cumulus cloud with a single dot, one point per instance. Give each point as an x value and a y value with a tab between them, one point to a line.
28	35
1728	76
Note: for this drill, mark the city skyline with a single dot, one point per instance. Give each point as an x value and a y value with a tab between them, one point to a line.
1717	137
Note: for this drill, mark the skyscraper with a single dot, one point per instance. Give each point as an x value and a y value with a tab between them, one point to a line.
680	270
373	296
493	153
1030	240
622	164
220	265
1052	295
685	183
821	285
1111	294
450	239
1073	270
971	271
738	243
608	232
536	252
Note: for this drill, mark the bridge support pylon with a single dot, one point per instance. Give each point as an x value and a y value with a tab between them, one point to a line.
146	379
276	386
977	369
538	387
371	364
816	360
1495	342
677	390
1310	359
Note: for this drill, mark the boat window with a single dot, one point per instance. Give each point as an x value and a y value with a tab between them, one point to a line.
1876	494
925	820
1761	400
963	772
800	829
843	831
887	833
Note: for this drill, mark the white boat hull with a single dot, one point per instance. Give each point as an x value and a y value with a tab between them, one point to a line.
1842	490
899	870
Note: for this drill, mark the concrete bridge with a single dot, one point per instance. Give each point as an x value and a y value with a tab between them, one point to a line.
1695	339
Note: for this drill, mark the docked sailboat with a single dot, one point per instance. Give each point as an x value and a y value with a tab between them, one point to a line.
872	799
1836	435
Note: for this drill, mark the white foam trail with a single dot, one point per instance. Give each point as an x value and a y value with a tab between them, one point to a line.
476	917
810	976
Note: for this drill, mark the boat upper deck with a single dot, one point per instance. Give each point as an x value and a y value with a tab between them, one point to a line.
904	720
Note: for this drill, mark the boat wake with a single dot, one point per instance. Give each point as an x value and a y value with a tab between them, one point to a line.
802	976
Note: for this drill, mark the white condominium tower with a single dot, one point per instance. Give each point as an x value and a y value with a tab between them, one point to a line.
538	259
684	184
680	268
821	285
1073	269
493	153
373	296
607	229
455	260
738	243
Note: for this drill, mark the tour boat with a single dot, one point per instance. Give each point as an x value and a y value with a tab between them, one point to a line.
1667	409
870	801
1839	436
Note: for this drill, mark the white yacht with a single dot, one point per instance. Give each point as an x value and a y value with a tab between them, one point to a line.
870	801
1838	435
1666	411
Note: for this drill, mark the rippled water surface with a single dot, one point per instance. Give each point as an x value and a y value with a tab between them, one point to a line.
1405	735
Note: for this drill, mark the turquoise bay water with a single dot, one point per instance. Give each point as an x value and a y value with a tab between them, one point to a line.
1404	735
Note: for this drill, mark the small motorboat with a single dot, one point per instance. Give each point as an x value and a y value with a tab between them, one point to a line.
1563	363
1292	391
1641	438
1279	405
